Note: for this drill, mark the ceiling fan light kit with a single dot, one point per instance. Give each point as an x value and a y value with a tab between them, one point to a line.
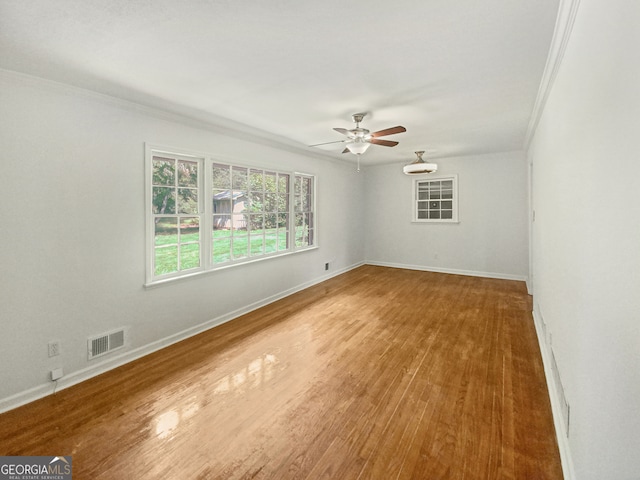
419	166
360	139
358	147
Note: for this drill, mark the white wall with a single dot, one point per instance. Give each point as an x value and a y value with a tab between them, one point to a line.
491	237
72	226
586	237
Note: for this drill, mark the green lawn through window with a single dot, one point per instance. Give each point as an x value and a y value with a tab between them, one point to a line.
225	247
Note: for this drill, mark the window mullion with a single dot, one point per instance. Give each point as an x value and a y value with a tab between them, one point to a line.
206	214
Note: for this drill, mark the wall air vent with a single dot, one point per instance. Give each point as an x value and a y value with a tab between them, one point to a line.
105	343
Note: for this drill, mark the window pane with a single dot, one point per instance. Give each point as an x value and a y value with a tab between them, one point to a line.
222	223
187	200
187	173
448	184
270	220
257	202
239	200
271	240
302	238
189	229
283	202
306	186
166	231
221	250
270	203
238	223
221	176
434	205
270	182
283	220
447	194
447	214
256	222
434	214
164	200
256	179
283	183
257	245
240	246
447	204
423	205
166	260
422	214
189	256
164	171
239	179
221	201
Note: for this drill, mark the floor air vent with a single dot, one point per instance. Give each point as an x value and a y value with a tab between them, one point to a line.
105	343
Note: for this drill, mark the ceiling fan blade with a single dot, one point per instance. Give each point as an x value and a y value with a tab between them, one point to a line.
327	143
389	131
344	131
384	143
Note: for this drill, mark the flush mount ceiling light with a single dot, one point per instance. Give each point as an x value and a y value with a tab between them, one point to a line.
419	166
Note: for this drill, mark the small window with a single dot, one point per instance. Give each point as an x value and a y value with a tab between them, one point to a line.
435	199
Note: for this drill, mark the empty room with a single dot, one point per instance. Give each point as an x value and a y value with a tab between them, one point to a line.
320	240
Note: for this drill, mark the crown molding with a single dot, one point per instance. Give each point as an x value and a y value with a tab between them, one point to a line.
567	12
172	113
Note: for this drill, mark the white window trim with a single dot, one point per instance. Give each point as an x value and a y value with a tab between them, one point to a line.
205	211
414	198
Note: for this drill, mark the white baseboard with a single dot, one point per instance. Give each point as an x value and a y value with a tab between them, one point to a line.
79	376
470	273
561	433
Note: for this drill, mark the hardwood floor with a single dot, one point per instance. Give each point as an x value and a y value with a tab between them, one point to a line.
378	373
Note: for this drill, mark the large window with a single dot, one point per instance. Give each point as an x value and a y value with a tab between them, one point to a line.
435	199
250	212
203	214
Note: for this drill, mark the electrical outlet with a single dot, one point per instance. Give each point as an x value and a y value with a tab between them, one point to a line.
56	373
326	266
54	349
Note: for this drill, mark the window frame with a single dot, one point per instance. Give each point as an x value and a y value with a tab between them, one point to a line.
416	200
206	213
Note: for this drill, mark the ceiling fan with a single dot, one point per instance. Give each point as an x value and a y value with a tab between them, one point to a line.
359	139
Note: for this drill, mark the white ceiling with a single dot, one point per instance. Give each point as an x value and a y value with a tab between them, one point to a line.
461	75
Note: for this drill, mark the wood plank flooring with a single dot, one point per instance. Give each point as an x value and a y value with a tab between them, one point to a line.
378	373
